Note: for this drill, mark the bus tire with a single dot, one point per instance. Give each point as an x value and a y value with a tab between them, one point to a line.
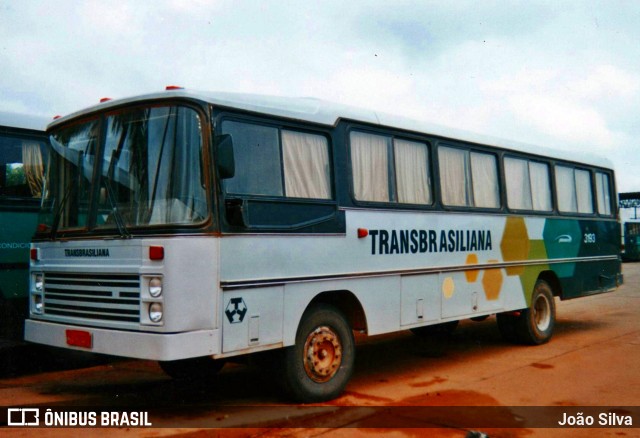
196	368
443	329
536	323
319	365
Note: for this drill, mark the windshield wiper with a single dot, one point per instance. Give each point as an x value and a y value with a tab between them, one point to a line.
117	216
56	218
58	215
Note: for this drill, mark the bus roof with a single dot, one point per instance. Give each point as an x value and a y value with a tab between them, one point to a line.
323	112
23	121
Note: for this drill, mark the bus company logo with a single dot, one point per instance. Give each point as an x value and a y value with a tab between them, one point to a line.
83	252
236	310
23	417
429	241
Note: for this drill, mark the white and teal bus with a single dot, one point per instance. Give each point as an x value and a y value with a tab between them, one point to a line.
190	228
23	152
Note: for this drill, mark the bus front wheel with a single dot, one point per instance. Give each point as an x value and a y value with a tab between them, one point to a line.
319	365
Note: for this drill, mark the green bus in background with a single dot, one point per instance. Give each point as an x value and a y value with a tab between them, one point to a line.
631	240
23	154
629	203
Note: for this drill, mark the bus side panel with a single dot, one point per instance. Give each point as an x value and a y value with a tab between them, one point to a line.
379	298
421	299
16	229
252	318
571	239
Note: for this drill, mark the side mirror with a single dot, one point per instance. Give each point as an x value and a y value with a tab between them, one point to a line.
224	156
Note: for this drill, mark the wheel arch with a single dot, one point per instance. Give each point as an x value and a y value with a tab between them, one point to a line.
347	303
552	279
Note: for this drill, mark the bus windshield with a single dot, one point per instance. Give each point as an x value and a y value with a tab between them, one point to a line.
134	168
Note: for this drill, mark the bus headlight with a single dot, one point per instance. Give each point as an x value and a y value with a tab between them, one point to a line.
38	283
155	287
38	304
155	312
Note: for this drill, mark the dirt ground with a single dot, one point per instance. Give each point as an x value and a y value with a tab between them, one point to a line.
402	385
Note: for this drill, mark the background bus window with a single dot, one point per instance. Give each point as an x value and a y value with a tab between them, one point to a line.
573	186
21	168
527	185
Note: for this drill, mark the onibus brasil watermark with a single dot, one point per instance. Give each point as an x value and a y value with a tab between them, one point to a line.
36	417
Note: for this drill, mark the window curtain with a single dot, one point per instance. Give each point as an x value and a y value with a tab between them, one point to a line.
540	187
584	191
412	172
33	167
518	183
453	176
604	197
484	174
306	165
370	167
565	185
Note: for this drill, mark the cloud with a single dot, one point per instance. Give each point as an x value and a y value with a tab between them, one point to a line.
567	121
562	74
606	82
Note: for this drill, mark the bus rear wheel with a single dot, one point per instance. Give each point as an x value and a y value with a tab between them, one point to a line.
536	323
196	368
533	325
319	365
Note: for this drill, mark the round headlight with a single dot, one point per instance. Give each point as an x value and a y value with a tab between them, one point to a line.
155	287
39	282
38	304
155	312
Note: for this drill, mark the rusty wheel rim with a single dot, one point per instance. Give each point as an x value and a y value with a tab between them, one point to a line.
323	354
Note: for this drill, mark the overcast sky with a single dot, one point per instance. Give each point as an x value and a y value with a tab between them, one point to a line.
561	74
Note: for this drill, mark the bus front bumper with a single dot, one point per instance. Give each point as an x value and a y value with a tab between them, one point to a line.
138	345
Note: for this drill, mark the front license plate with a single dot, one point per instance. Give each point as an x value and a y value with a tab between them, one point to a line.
79	338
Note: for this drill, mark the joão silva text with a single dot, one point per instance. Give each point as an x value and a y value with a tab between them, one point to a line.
604	419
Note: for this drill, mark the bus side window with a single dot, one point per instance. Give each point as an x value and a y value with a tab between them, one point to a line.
604	193
302	171
306	165
257	158
468	178
21	168
282	179
528	185
575	194
387	169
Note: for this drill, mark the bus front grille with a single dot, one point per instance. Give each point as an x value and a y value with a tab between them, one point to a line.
92	296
